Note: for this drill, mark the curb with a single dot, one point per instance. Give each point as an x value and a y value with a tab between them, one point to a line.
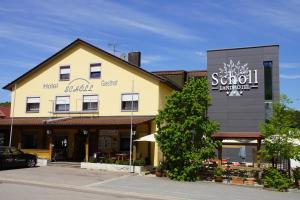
88	190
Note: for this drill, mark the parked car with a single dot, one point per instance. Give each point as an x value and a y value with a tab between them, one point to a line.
10	157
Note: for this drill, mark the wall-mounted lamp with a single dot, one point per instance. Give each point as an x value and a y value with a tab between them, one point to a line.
85	132
133	132
49	132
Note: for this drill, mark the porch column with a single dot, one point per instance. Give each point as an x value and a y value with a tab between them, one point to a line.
19	139
258	152
134	152
87	149
50	146
220	152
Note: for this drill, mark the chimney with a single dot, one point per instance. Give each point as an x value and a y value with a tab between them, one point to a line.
134	58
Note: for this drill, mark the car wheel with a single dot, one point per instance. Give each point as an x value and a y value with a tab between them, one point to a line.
31	163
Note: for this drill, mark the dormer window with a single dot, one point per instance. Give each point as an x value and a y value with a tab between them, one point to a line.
64	73
95	70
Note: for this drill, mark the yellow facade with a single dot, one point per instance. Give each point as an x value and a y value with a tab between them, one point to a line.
79	58
117	78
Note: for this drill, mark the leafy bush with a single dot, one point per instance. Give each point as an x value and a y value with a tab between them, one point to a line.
273	178
296	173
185	132
92	159
108	160
140	162
122	162
218	171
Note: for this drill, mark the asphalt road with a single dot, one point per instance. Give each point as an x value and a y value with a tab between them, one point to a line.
26	192
53	183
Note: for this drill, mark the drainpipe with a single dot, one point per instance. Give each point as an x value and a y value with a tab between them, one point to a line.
131	129
12	116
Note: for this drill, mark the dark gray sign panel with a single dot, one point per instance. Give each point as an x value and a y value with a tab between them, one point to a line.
243	84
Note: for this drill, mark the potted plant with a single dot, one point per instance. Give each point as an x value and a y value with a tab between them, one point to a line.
218	174
296	174
238	178
159	170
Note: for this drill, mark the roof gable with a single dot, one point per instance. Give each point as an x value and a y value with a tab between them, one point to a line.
81	42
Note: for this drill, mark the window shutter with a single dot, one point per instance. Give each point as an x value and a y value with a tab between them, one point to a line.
62	100
33	100
130	97
65	70
90	98
95	68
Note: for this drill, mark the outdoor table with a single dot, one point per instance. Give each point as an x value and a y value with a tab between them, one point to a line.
120	156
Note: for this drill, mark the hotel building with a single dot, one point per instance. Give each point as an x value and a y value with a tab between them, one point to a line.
83	100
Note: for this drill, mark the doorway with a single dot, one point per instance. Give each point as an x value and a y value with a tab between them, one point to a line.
79	147
60	148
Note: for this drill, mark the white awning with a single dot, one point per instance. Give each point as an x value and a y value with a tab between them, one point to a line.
95	68
130	97
146	138
63	100
33	99
90	98
65	70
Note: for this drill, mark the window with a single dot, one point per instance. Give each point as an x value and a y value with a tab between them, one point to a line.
95	70
29	141
64	73
268	80
62	103
90	102
268	110
130	102
33	104
125	144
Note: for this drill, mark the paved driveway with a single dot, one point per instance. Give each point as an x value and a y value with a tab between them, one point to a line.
59	175
125	185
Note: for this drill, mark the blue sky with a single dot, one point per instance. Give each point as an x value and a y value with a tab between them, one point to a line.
170	34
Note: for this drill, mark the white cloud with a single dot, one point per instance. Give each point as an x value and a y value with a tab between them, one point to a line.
289	65
285	76
284	14
102	14
147	59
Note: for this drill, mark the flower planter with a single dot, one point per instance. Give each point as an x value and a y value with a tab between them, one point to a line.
218	179
237	181
158	174
112	167
249	181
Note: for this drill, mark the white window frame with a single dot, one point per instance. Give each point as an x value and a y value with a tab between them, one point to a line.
33	101
83	101
135	97
95	65
62	104
64	67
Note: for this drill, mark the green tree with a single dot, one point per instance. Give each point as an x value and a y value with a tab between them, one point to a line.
185	132
7	103
280	133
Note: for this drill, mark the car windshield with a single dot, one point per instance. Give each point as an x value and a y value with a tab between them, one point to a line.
15	151
4	151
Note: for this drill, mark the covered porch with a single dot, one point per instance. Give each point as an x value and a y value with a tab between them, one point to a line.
81	139
239	148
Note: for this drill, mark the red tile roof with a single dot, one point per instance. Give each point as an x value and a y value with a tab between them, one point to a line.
4	111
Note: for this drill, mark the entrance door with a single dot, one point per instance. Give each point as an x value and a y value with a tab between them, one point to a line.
79	147
60	147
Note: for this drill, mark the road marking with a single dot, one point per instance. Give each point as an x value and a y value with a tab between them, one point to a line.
106	181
